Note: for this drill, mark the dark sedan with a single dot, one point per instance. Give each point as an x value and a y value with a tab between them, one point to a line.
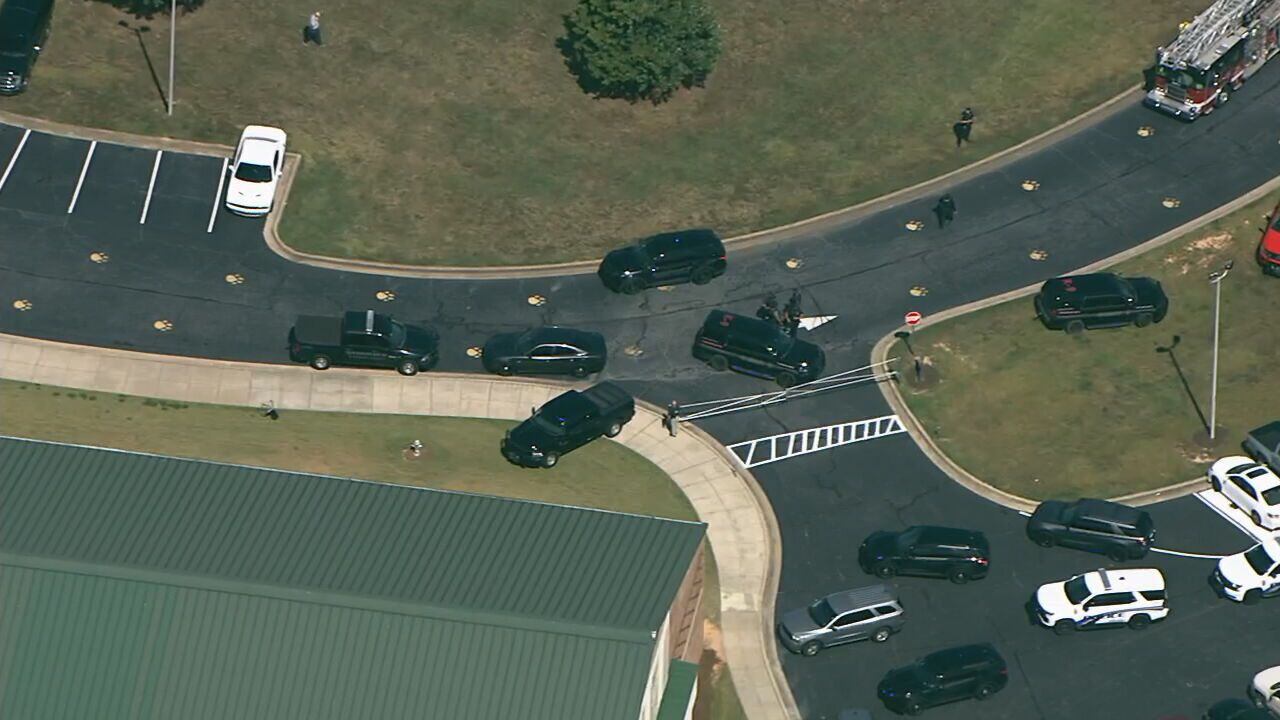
545	351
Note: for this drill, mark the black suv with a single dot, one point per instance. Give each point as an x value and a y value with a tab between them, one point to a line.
1100	300
1117	531
756	347
695	256
24	28
959	673
959	555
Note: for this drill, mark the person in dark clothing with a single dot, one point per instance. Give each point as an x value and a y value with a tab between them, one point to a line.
791	315
769	311
945	210
964	127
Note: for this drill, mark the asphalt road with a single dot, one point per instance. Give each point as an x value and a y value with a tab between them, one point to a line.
156	266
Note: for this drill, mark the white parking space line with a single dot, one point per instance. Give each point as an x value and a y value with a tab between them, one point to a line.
1244	523
146	205
217	199
14	160
1197	556
83	171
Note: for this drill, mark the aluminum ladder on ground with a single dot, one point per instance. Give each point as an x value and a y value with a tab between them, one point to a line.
762	451
1208	28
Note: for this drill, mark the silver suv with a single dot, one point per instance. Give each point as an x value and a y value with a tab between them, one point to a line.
870	612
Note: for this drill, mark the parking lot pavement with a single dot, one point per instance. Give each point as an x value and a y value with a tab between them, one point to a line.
43	175
186	194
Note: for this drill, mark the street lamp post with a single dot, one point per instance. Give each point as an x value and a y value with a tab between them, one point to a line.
1215	279
173	38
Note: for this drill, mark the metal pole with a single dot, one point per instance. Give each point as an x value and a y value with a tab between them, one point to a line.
1213	391
173	38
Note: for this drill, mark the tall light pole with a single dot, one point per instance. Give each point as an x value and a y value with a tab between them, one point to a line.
1215	279
173	40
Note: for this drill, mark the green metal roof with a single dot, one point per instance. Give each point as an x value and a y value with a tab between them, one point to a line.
678	695
180	588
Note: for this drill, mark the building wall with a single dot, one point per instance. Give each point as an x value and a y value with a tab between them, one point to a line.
679	637
658	666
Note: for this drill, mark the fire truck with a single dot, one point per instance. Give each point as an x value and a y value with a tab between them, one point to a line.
1212	57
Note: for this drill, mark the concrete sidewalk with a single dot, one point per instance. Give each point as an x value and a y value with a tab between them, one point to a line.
740	524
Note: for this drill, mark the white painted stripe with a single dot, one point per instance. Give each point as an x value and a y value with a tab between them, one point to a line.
811	440
1024	513
155	169
1197	556
83	171
14	160
217	199
1219	504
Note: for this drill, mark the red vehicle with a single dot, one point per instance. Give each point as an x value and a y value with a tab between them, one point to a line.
1269	246
1212	57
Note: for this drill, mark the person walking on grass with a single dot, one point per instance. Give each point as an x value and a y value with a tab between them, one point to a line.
311	31
964	127
945	210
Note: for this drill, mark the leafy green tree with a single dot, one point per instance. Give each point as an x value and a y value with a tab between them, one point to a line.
640	49
151	8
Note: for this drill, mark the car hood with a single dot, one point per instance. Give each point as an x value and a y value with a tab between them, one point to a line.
799	623
1237	569
500	346
1271	240
807	354
1148	290
627	258
901	680
1052	598
250	193
527	435
1263	681
420	339
16	65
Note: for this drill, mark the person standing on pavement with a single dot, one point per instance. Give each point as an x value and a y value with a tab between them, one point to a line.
945	210
311	31
964	127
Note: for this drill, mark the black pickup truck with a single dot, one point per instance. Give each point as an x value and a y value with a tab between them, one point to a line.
365	338
567	422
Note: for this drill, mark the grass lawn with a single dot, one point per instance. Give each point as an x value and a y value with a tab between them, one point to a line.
449	131
1043	414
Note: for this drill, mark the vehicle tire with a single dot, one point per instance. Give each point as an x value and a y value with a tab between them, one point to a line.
1064	627
550	459
881	634
785	380
1216	483
1139	622
613	430
958	576
811	648
1143	320
1075	327
1253	597
320	362
913	708
1118	554
408	368
702	275
884	570
719	363
630	286
1044	540
1256	518
580	372
983	692
505	371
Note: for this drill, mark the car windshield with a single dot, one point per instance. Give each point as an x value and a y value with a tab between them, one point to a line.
822	613
249	172
1272	496
1275	222
397	333
548	426
1076	589
1259	559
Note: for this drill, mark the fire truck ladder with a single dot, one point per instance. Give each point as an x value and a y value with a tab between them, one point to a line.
762	451
1221	20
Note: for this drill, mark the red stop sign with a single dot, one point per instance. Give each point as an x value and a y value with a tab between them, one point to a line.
913	318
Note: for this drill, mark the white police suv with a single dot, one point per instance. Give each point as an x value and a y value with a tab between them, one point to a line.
1104	598
1249	576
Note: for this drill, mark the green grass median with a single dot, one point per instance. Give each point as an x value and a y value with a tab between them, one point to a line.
450	132
1044	414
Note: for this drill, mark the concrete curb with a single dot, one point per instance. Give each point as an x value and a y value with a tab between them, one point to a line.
893	394
774	235
741	528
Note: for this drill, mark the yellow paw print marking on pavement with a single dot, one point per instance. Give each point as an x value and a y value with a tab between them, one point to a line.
919	291
475	351
234	279
22	305
915	225
794	263
537	300
1039	255
99	257
162	325
385	295
1030	185
1171	202
1146	131
633	350
666	288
